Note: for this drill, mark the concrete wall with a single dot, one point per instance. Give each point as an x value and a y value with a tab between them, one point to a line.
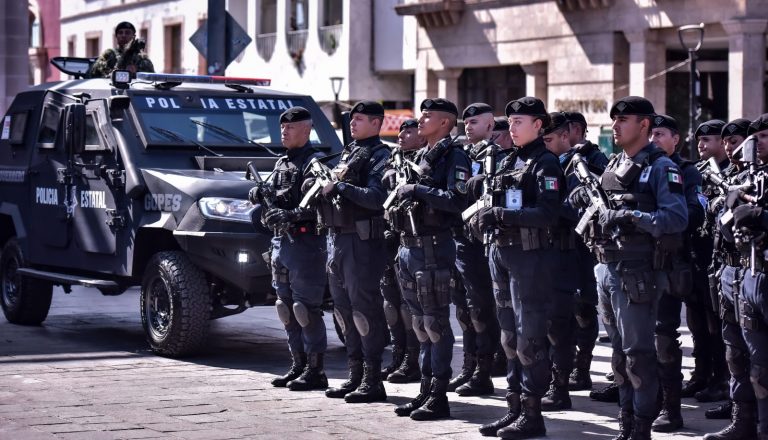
14	56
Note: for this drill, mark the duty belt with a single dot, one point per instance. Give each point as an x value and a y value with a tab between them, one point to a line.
307	229
527	238
421	240
342	229
612	256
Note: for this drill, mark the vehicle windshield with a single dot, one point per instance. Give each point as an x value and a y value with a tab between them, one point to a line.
213	120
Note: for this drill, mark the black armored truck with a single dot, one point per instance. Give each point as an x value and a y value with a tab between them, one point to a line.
121	182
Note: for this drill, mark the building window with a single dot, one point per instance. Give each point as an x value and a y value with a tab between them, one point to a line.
71	46
331	25
172	57
492	85
298	14
92	45
266	33
144	35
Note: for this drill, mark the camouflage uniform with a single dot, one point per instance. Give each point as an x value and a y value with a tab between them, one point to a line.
106	63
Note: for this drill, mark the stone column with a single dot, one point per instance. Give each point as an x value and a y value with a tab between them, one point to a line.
536	80
14	51
420	80
647	56
746	66
448	84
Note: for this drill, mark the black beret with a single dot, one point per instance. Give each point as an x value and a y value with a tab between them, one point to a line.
557	120
370	108
664	121
409	123
475	109
576	117
737	127
439	104
500	123
125	25
759	124
713	127
632	105
527	105
295	114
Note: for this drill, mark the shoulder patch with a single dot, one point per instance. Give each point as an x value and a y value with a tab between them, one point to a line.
674	179
462	174
461	187
551	184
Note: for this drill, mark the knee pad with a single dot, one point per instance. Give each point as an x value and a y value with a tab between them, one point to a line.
405	315
361	323
502	295
302	313
531	350
465	322
758	375
585	314
668	349
640	367
435	327
391	314
418	328
619	367
343	325
477	322
509	343
737	360
283	312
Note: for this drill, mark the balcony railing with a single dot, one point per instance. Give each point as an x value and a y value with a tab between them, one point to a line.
297	41
330	38
265	45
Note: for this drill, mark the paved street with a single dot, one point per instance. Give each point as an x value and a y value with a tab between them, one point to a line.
87	374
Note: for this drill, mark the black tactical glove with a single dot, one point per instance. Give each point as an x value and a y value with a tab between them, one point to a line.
489	218
308	182
254	195
579	198
406	191
747	216
330	190
613	217
276	217
389	180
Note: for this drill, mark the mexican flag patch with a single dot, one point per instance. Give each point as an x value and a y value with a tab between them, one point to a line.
551	184
462	175
674	177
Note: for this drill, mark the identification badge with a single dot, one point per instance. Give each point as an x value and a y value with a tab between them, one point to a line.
646	174
475	168
514	199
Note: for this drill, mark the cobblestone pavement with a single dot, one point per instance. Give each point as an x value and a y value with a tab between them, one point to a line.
87	374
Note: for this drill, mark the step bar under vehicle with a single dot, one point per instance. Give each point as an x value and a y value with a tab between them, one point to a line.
105	286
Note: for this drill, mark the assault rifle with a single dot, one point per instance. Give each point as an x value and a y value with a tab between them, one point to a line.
599	201
267	197
323	176
403	172
486	199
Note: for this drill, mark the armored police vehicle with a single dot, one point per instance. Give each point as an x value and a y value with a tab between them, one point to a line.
113	183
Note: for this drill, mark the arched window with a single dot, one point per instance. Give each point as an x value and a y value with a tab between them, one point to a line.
331	19
266	32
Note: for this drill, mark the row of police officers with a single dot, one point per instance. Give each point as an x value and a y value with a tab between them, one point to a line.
530	231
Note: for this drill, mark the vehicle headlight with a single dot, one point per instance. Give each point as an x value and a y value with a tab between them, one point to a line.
235	210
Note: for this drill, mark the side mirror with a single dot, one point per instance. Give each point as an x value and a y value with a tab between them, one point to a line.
74	128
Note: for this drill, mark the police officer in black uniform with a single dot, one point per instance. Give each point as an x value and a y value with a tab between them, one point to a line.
629	241
475	310
665	135
584	324
298	255
427	255
405	346
523	262
351	210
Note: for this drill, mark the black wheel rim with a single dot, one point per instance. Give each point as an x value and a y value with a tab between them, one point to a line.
11	281
158	308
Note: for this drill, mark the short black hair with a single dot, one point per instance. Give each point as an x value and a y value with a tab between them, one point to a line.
125	25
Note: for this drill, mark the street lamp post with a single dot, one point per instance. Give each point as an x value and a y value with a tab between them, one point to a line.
336	82
691	38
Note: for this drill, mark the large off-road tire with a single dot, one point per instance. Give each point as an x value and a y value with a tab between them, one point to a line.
175	304
24	300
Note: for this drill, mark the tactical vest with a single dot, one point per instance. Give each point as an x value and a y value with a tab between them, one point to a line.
353	168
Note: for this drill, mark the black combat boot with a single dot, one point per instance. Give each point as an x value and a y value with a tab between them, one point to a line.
626	419
480	384
641	429
409	368
371	387
580	379
670	419
355	377
313	377
470	362
436	407
697	383
418	401
529	424
557	398
714	392
609	394
297	367
721	412
743	424
513	412
398	353
499	368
